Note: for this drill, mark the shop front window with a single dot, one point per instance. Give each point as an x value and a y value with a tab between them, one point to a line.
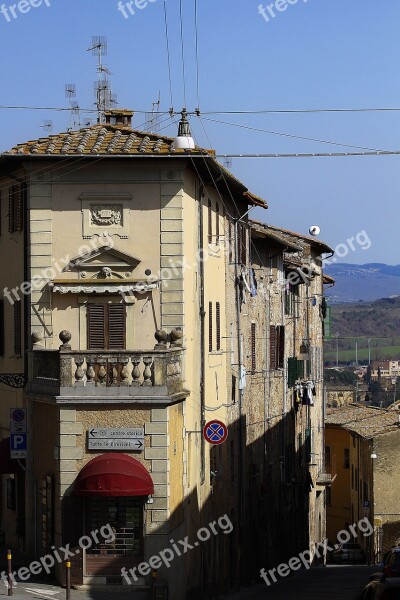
125	517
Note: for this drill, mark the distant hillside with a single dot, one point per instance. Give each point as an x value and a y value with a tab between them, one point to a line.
363	282
378	319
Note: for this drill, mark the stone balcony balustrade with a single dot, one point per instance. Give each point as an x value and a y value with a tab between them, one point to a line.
111	375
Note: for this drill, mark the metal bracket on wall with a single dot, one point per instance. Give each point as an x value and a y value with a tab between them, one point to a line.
14	380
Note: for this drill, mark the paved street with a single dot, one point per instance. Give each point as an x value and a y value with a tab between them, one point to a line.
332	583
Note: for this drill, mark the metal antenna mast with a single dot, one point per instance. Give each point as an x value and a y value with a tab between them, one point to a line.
153	118
104	97
70	92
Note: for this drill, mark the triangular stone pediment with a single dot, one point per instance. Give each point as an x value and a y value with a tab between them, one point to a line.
105	257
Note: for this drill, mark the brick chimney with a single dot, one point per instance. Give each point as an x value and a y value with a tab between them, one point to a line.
119	117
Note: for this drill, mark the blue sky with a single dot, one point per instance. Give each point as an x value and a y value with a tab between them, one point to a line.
316	54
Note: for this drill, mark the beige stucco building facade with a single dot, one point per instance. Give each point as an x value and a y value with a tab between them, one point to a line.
131	322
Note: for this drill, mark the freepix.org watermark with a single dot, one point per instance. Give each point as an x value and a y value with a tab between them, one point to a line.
352	244
304	559
46	275
13	11
128	9
166	556
270	11
105	534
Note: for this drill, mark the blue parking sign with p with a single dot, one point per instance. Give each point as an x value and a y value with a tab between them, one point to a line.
18	445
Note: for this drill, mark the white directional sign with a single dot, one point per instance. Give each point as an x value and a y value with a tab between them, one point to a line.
109	438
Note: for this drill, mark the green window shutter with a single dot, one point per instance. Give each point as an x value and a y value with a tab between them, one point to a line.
292	371
328	324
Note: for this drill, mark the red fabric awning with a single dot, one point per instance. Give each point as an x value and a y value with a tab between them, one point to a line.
7	464
114	474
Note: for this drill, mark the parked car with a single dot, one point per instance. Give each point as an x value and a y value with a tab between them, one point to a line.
350	552
390	567
382	589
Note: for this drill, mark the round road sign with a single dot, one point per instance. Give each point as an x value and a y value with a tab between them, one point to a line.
215	432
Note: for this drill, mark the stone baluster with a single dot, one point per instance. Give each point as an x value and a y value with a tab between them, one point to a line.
124	372
90	372
114	372
136	370
148	360
102	373
79	373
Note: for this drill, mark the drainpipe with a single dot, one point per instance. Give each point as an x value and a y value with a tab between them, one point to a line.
202	337
241	393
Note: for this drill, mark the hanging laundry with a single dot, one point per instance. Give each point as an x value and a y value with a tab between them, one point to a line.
253	283
242	289
308	393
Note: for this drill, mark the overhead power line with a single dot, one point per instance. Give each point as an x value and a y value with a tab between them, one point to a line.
289	135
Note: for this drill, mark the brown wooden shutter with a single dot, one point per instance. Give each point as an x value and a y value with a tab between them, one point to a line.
280	346
209	222
11	222
218	321
1	327
272	347
210	327
116	326
19	207
217	224
96	326
253	347
17	328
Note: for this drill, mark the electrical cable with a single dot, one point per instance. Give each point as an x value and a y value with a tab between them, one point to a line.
297	137
182	51
197	54
168	54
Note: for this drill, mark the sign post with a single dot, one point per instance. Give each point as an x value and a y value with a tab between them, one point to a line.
18	433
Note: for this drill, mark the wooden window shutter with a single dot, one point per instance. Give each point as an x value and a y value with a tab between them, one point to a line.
218	321
116	326
96	325
19	207
242	244
209	222
272	347
217	224
210	327
280	346
292	371
231	241
11	214
253	347
1	327
17	328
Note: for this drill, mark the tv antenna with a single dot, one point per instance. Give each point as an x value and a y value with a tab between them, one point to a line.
228	162
104	97
47	126
70	93
153	118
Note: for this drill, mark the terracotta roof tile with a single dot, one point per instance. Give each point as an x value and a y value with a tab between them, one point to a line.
101	140
367	422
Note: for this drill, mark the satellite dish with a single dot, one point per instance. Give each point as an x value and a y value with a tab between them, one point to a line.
314	230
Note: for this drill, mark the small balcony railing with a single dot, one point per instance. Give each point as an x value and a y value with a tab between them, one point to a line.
68	372
326	471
